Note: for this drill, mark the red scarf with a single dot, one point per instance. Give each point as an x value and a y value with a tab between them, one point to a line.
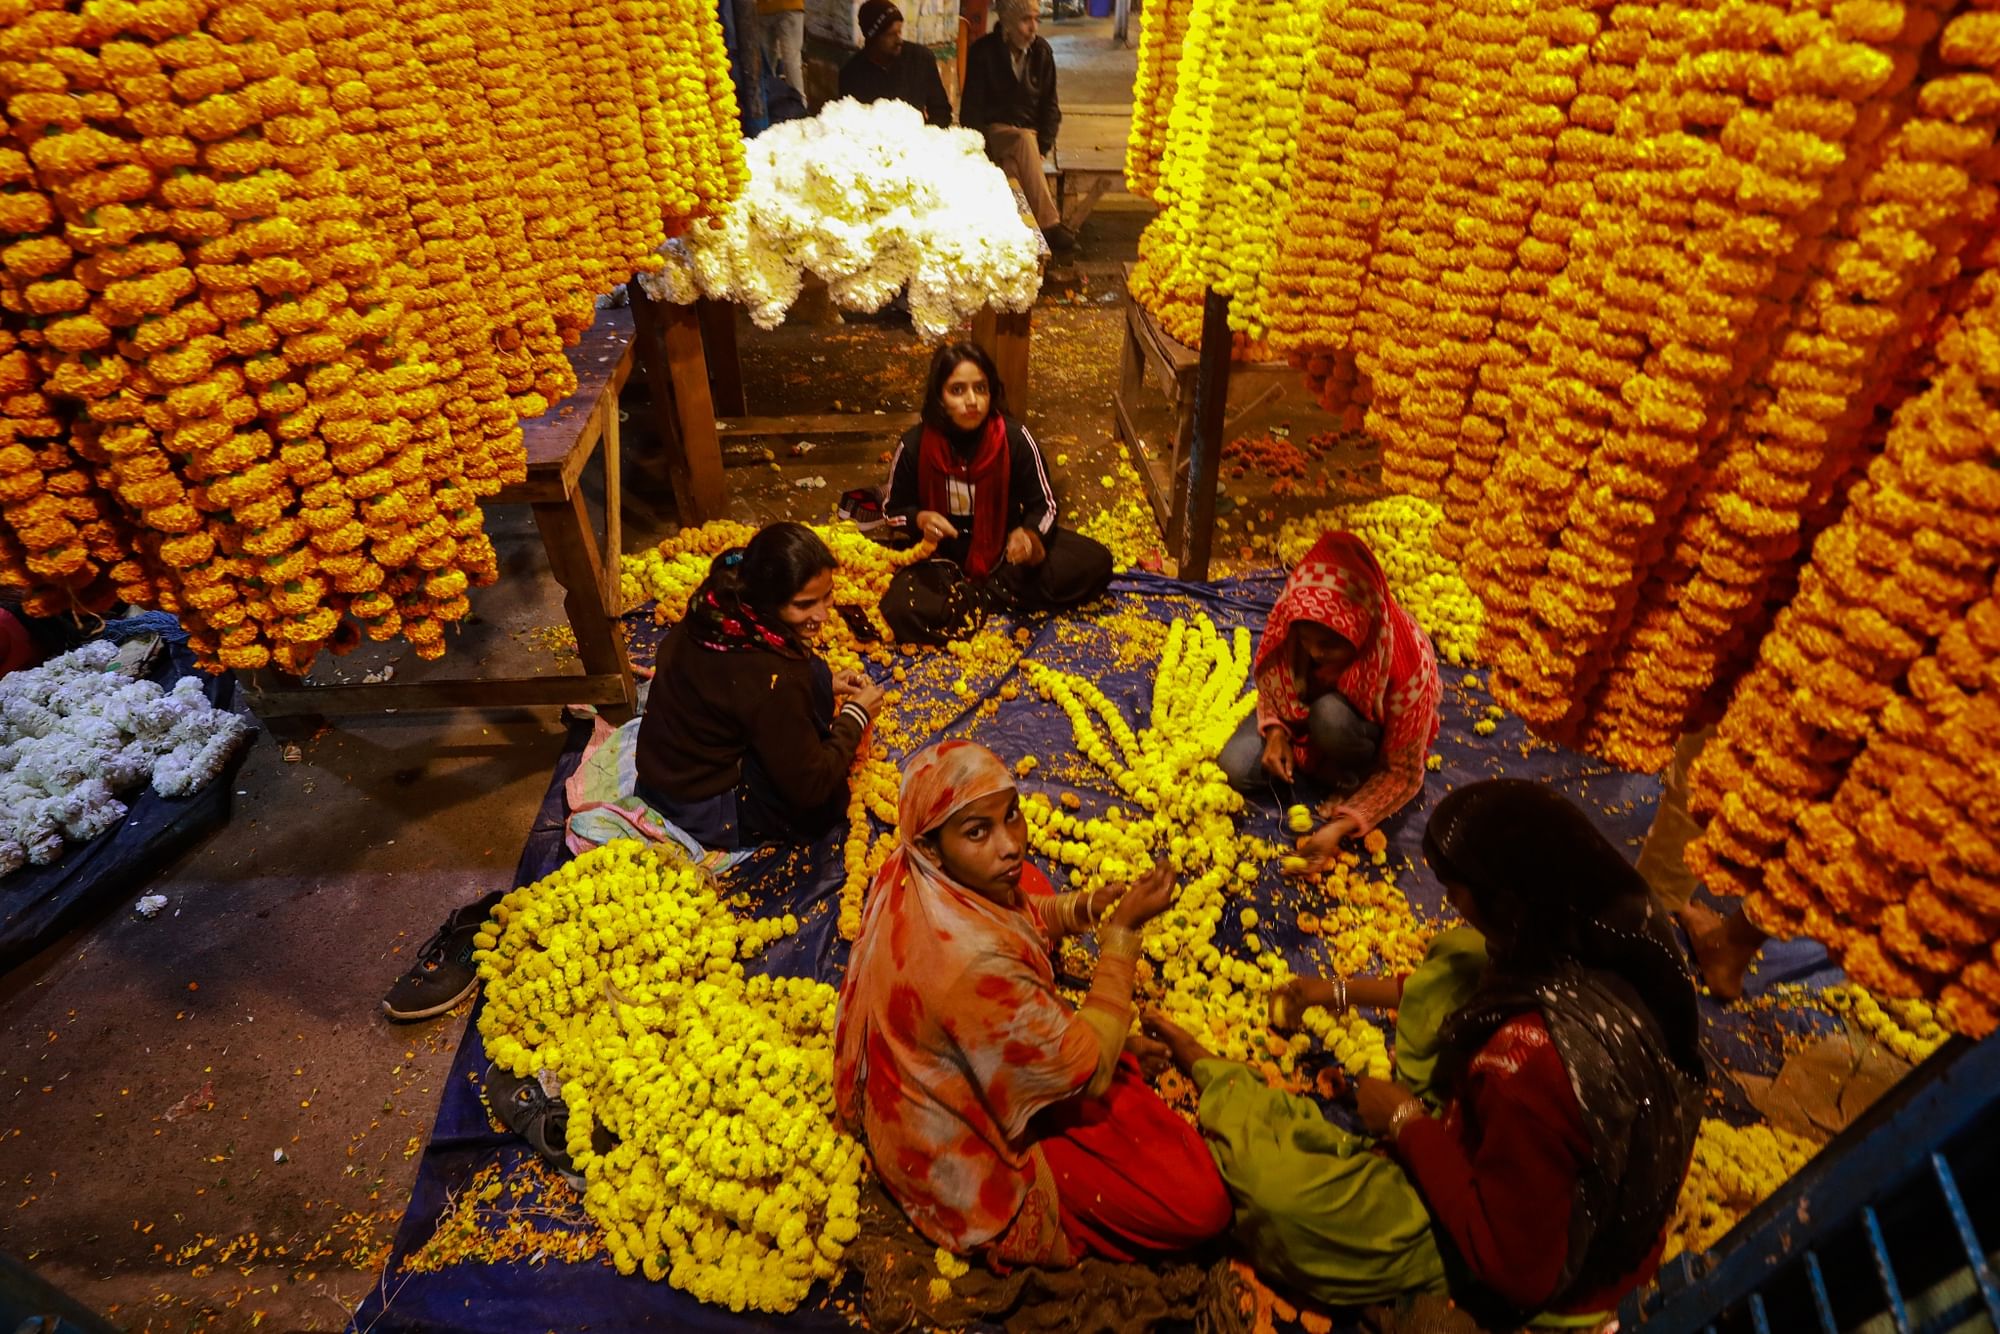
938	464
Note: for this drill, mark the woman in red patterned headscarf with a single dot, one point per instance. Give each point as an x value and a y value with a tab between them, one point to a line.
1347	691
1004	1122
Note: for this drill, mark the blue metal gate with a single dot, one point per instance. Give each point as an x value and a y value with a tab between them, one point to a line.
1891	1226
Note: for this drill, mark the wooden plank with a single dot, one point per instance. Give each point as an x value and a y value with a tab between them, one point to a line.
670	352
1007	337
416	696
1151	353
614	505
725	366
1151	471
1094	160
602	361
831	423
1080	195
1211	400
572	547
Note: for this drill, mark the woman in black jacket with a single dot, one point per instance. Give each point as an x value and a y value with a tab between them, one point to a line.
748	735
973	479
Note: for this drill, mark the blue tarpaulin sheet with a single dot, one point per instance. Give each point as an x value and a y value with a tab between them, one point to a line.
39	903
516	1296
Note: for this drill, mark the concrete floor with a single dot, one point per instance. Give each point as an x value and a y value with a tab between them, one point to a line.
205	1122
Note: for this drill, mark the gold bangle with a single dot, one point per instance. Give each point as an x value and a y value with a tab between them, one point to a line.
1402	1116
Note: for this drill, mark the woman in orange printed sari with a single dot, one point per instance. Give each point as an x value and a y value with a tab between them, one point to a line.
1002	1121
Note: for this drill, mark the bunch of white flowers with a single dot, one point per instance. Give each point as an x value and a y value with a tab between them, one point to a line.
872	200
78	730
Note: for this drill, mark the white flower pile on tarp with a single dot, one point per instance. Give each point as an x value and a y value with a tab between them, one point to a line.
872	200
78	730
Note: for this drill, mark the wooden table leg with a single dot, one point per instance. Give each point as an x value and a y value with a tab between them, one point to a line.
1211	400
1006	336
670	350
566	534
614	535
1080	203
725	365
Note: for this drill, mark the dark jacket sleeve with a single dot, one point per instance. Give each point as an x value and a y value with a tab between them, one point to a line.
785	735
1029	492
905	498
937	104
976	98
1048	116
850	76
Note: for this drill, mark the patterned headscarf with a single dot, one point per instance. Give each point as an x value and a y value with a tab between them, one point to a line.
1394	674
950	1035
725	623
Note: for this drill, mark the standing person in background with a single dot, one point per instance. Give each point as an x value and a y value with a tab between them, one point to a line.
887	66
1010	97
782	25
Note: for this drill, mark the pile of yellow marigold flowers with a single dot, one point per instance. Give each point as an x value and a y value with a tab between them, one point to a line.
1735	1169
621	976
670	573
282	280
1401	531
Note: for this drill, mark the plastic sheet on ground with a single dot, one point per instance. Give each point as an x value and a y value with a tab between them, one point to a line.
39	903
531	1293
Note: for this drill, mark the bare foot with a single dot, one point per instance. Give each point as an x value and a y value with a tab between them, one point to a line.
1724	948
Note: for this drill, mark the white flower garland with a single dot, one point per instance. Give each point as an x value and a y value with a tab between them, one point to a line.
872	200
77	731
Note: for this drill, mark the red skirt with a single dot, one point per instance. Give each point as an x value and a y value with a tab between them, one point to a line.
1134	1179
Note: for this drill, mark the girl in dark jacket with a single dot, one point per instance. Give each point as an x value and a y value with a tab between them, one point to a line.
973	479
748	735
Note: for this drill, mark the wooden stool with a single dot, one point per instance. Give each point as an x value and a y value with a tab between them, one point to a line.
560	443
1151	352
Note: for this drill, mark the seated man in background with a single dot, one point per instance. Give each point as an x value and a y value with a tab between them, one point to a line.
887	67
1010	97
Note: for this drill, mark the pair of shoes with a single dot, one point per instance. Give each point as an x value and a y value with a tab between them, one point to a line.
1060	238
443	974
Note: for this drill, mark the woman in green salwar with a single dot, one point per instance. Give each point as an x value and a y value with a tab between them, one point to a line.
1534	1047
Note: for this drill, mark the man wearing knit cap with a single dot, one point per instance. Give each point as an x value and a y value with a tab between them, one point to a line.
1010	97
888	67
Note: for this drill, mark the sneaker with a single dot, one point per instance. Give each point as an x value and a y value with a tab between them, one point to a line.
542	1119
536	1117
1060	238
442	976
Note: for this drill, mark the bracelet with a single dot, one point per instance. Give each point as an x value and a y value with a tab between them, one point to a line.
1340	994
1403	1115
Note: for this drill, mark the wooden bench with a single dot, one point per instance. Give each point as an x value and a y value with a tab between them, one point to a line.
1079	177
1151	353
560	444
